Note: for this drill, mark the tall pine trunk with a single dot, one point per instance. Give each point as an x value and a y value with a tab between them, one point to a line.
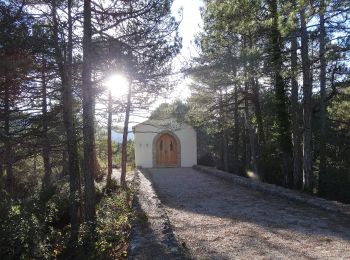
260	151
109	143
74	176
251	135
8	143
307	106
223	131
252	143
254	85
283	122
257	110
250	154
323	112
225	150
125	138
236	132
45	140
88	120
246	142
65	69
296	133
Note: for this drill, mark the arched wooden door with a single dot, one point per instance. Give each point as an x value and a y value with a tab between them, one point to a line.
166	151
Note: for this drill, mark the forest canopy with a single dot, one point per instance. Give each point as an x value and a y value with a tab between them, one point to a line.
270	100
269	85
57	197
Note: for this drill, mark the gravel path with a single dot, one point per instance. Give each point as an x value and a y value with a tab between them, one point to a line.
216	219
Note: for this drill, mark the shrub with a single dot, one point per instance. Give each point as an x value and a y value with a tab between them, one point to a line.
114	217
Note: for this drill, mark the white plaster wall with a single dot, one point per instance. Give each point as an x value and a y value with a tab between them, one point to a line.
144	135
188	139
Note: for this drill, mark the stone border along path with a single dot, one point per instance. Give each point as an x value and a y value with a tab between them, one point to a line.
152	236
216	218
293	195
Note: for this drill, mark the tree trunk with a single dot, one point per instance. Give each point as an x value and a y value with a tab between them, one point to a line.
1	174
225	150
109	143
8	143
283	122
254	86
236	132
296	134
252	144
307	106
223	131
323	112
250	132
45	140
256	97
68	118
74	176
88	119
246	143
257	110
260	150
125	139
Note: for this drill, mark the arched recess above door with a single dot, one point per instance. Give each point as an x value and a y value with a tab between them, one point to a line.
166	144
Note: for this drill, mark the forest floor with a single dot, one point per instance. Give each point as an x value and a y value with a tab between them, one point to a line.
216	219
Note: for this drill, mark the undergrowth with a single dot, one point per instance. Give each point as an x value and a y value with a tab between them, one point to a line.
38	227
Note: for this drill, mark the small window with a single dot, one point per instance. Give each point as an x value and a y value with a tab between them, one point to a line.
171	145
161	145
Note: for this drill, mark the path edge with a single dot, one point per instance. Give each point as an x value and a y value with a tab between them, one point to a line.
138	246
292	195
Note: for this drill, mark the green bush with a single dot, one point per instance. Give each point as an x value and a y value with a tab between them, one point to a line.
39	226
26	233
114	217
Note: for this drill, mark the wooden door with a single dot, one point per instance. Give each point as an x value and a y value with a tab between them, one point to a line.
166	151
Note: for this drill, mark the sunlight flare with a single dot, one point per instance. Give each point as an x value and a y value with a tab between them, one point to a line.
118	85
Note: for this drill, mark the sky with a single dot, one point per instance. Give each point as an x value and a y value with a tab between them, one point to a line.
190	26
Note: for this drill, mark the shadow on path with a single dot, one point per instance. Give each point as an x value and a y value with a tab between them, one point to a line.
198	201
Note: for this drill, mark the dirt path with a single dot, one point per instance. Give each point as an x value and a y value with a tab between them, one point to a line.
221	220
